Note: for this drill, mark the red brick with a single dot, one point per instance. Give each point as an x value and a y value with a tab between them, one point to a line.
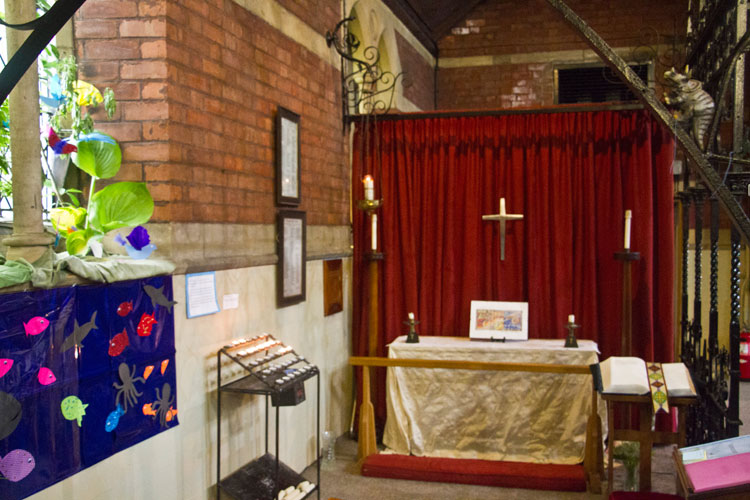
98	29
155	131
130	172
154	90
126	91
149	8
144	70
143	110
154	50
122	131
143	28
105	9
145	151
103	71
111	49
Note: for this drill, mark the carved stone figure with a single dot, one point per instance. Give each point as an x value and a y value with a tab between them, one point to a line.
692	105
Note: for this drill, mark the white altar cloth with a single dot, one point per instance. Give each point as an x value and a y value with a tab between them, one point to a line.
513	416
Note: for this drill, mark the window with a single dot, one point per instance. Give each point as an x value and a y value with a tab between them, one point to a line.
595	84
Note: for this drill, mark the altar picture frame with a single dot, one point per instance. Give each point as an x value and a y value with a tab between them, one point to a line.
292	266
499	320
287	158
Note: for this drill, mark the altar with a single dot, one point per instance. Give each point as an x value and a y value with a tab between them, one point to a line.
500	415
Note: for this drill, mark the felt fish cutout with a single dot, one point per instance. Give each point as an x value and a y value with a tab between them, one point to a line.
73	409
125	308
16	465
10	414
5	366
148	411
46	377
146	324
147	371
79	333
164	365
36	325
157	297
113	419
171	413
59	146
118	343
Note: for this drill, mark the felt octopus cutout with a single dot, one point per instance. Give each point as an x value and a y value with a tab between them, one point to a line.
127	389
162	407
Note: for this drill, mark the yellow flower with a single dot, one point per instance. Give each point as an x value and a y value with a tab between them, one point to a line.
88	95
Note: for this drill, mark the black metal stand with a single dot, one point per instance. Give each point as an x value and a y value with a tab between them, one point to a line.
277	372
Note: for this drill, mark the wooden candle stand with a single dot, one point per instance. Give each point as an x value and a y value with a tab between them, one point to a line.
627	257
367	442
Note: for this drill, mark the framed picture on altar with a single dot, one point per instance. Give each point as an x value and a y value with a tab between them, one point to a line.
499	320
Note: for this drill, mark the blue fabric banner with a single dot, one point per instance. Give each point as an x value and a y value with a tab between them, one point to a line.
85	372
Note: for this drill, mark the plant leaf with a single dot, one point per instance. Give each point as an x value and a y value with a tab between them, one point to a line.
98	155
78	242
120	204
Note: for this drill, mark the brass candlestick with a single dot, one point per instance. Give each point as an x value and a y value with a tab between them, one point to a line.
571	341
412	337
369	206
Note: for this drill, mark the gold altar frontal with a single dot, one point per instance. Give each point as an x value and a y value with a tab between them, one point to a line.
500	415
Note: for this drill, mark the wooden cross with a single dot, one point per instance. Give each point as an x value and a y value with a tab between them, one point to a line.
502	217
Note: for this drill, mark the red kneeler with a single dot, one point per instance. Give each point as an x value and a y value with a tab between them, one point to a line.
645	495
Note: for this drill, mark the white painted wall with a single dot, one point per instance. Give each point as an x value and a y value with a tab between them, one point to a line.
180	463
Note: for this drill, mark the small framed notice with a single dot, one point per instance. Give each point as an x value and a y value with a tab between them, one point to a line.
287	158
200	294
499	320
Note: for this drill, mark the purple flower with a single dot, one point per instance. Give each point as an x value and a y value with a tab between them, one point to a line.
138	237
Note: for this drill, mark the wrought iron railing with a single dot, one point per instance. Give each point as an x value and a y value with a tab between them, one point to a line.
716	47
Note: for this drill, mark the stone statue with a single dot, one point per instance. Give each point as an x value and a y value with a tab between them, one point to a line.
692	105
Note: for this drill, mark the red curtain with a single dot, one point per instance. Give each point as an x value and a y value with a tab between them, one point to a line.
571	174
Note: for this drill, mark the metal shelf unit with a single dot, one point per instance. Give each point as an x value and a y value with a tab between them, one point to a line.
274	370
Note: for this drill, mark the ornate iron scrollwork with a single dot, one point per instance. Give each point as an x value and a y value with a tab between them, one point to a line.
365	87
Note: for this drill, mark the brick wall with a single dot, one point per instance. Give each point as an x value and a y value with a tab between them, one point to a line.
198	84
526	38
419	81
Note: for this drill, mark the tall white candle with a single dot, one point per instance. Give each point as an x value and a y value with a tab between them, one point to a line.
374	231
369	187
571	318
628	217
502	205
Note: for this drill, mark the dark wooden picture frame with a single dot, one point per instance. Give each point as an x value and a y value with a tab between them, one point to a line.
333	284
287	158
292	266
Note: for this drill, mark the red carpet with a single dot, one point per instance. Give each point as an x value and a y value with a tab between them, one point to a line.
482	472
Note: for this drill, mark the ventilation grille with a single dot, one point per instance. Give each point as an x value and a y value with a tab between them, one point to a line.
595	84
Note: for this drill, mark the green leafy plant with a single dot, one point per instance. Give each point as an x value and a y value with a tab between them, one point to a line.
121	204
5	184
